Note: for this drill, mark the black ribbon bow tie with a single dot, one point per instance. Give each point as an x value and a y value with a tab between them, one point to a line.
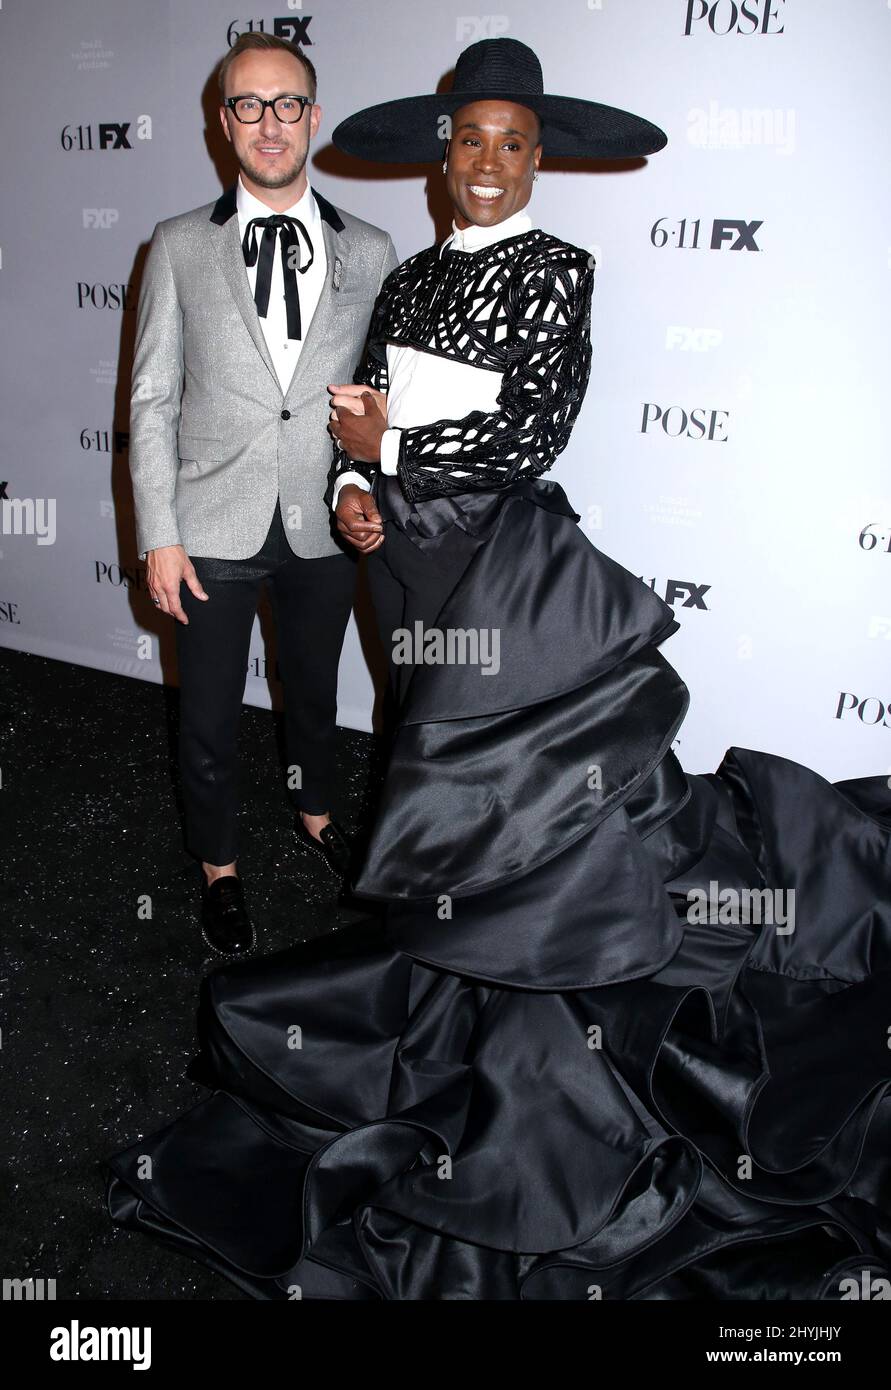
288	230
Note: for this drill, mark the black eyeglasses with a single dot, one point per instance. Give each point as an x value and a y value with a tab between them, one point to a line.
249	110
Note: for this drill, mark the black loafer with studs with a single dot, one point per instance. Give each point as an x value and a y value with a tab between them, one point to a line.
225	923
332	846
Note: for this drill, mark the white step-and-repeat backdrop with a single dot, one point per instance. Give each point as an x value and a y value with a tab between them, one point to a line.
733	446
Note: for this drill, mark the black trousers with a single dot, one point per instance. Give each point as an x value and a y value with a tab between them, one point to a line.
409	584
311	601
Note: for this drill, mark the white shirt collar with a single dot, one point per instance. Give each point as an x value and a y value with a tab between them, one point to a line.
473	237
306	207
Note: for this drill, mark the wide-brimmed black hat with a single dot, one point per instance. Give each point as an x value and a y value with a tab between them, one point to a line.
411	130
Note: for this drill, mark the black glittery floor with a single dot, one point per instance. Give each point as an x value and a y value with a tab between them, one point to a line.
97	1003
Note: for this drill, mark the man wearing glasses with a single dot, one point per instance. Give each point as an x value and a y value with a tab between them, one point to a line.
248	309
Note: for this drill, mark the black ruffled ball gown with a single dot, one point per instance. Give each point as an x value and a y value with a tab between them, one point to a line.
545	1076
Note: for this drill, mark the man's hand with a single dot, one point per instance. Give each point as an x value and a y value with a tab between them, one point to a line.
358	519
350	397
166	567
360	435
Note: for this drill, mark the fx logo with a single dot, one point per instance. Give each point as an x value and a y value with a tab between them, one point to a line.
692	339
675	589
288	27
722	229
114	137
294	29
481	26
100	217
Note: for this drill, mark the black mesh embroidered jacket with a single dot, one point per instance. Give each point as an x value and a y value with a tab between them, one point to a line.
520	306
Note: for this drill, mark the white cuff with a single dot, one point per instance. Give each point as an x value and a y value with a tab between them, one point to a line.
390	451
342	481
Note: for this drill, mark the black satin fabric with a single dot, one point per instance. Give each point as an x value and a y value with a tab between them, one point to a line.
561	1087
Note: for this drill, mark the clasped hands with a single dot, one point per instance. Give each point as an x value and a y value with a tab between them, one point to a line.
357	421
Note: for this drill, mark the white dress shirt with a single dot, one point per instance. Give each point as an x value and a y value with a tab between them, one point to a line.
424	387
283	350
